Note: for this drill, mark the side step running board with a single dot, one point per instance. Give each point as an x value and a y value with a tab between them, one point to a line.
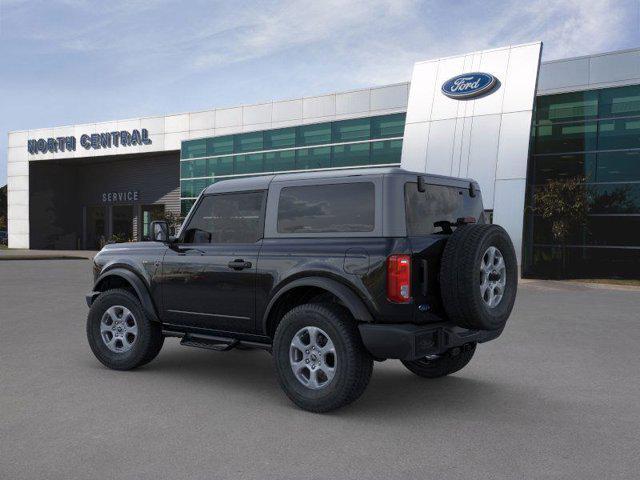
215	342
219	344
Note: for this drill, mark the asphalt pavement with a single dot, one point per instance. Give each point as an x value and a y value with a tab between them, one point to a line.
557	396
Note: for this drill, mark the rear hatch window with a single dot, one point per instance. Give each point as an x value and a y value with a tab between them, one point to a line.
436	204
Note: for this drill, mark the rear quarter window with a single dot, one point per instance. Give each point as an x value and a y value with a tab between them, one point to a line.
343	207
438	203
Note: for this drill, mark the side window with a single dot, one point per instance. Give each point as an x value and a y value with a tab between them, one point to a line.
436	204
227	218
342	207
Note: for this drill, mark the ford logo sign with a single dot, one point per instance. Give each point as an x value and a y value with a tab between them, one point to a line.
469	85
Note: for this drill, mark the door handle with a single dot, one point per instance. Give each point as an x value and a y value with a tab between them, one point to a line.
239	264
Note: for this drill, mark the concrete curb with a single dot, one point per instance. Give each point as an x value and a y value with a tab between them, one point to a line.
578	283
24	254
6	258
605	286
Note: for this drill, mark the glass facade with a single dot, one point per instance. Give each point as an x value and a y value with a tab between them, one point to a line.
592	137
346	143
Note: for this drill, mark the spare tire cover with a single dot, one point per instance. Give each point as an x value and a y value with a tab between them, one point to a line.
479	277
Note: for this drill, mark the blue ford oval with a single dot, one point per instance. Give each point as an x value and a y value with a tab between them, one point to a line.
468	85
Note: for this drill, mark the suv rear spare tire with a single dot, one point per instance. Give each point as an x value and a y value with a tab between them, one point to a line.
479	277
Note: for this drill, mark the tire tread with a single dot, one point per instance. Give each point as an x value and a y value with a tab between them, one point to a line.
458	275
151	343
358	377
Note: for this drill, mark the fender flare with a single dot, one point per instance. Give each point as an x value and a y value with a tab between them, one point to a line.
136	283
346	295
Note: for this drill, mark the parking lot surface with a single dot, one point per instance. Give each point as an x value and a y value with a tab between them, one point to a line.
557	396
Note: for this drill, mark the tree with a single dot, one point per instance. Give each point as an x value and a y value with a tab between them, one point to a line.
174	221
565	204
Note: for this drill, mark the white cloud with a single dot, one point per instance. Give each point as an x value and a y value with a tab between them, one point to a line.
281	26
568	28
571	27
376	39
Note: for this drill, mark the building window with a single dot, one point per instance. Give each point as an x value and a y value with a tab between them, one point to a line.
280	138
388	126
350	155
220	145
185	205
251	163
313	158
315	134
345	143
351	130
248	142
194	148
220	166
387	152
280	161
593	138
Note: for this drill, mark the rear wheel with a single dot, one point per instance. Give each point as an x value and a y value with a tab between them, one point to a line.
120	335
319	357
434	366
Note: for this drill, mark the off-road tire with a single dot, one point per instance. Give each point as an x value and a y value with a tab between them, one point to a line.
149	339
460	277
353	363
450	362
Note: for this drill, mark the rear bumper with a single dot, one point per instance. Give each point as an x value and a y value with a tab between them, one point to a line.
407	341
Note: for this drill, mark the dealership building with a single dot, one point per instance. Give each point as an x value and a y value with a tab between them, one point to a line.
76	187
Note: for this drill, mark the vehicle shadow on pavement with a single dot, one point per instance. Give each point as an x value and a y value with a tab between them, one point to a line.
221	370
392	393
396	393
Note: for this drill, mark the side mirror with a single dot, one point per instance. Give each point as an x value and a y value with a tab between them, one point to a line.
159	231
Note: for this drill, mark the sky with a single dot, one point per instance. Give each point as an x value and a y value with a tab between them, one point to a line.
65	62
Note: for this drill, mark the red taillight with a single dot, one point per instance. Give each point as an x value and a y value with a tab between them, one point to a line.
399	278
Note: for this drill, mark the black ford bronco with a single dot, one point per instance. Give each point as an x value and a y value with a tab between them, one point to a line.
328	271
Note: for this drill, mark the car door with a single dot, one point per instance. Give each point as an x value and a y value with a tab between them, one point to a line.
208	275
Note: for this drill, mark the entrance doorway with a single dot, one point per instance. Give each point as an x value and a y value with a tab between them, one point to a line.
122	222
118	223
96	227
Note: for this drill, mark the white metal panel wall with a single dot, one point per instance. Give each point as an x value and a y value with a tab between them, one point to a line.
603	70
486	138
18	191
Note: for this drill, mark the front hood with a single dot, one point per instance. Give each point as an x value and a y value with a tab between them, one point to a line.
110	247
137	256
127	252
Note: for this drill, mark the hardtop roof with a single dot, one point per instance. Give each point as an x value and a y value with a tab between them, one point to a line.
262	182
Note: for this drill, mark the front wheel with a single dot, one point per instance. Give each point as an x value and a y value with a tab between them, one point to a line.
120	335
434	366
319	357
